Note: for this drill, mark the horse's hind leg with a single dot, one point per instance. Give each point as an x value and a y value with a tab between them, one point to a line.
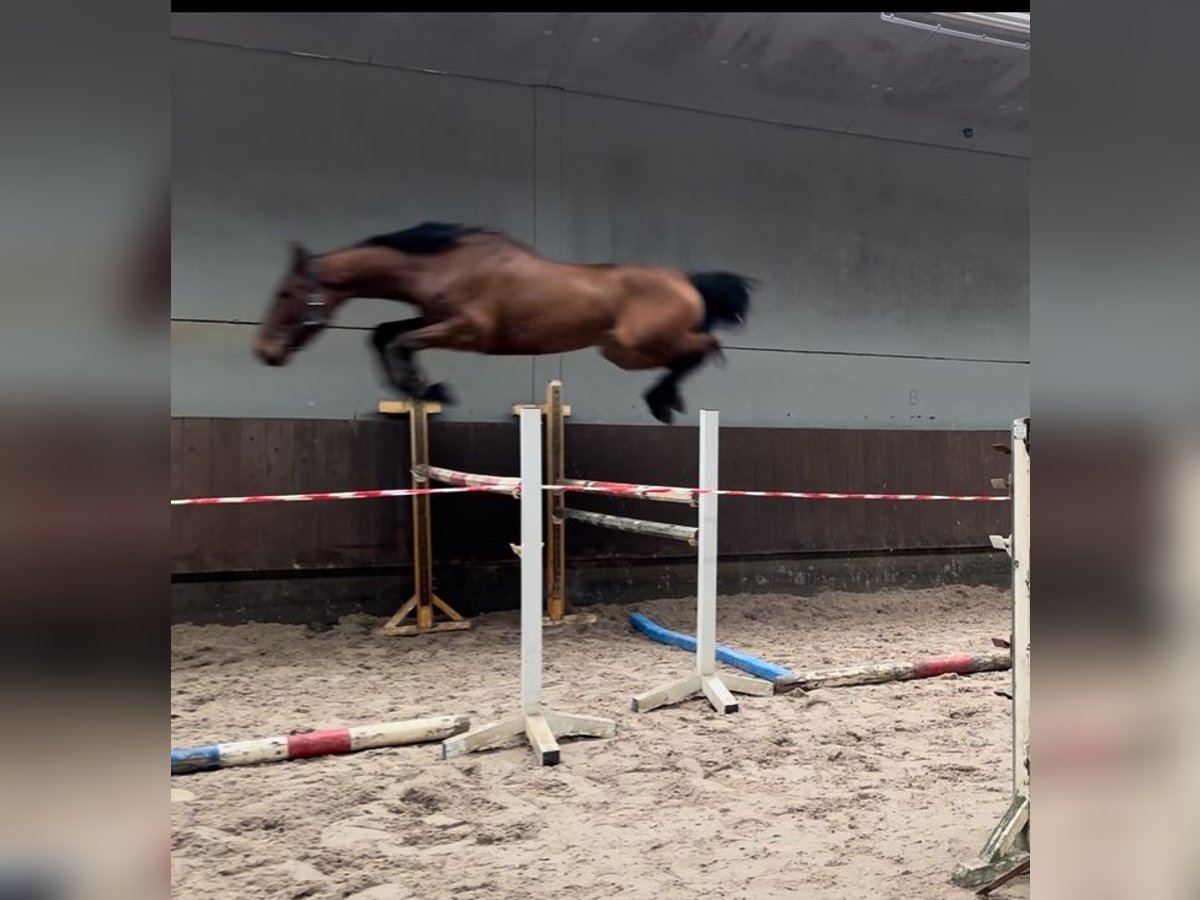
664	398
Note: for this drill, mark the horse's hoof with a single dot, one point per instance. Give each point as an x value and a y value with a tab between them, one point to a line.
663	414
439	393
662	403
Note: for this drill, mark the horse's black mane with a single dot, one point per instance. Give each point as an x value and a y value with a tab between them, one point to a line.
428	237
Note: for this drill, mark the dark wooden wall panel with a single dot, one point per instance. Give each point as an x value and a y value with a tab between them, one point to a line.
247	456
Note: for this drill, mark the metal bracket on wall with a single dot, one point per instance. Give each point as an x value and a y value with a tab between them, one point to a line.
424	602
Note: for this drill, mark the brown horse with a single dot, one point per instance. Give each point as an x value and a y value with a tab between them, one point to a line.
483	292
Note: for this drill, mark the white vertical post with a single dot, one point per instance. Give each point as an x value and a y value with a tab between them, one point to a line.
541	727
1007	848
717	687
706	564
1021	619
531	561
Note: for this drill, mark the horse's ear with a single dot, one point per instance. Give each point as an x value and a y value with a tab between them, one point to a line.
299	257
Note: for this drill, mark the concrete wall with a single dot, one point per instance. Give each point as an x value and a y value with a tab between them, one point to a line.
895	275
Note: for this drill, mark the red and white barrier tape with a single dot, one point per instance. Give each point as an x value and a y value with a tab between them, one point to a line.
331	495
661	492
638	490
613	488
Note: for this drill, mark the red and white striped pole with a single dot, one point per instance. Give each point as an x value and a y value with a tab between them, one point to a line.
315	743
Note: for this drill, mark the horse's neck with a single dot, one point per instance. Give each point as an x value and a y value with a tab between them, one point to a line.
367	272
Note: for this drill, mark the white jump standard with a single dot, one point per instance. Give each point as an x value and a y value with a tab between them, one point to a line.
1007	849
717	687
540	726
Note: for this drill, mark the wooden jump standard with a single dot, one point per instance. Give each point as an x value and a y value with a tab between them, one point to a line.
716	687
557	512
425	603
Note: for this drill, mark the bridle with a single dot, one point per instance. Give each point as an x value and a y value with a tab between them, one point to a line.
316	315
316	307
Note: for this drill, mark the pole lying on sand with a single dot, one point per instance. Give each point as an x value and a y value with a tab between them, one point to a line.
786	680
881	673
759	668
316	743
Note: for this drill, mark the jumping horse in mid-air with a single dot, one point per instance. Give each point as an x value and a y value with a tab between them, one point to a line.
480	291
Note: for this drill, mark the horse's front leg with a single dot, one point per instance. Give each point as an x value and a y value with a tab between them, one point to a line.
457	333
399	368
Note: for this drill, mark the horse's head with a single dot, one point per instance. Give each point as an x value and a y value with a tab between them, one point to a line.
299	310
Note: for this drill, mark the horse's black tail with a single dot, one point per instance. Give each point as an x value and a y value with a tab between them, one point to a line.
726	296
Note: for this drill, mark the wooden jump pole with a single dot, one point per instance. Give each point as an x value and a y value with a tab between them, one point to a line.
540	726
685	533
785	680
1007	848
465	479
882	673
659	495
315	743
717	687
423	601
